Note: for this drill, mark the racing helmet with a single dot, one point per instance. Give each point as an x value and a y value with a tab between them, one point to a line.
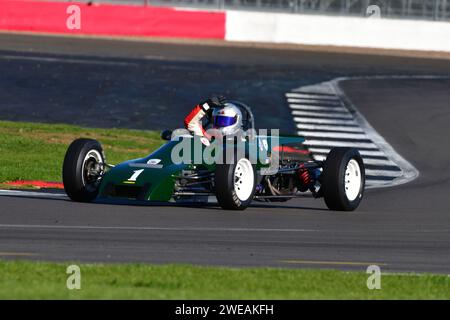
227	119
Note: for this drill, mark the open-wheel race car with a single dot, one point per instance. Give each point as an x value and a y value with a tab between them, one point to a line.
177	173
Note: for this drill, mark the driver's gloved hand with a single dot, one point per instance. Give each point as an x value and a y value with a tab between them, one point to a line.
213	103
216	101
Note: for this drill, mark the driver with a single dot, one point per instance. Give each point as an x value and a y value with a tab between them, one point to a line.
224	116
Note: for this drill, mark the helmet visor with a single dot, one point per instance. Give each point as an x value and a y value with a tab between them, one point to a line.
223	121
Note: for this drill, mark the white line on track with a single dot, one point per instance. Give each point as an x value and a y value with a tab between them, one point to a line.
308	107
67	60
32	194
41	226
366	161
362	152
310	95
378	182
324	121
343	135
194	229
333	143
384	173
322	114
378	162
327	103
320	127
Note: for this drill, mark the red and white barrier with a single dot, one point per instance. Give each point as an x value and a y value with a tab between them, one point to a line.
105	19
123	20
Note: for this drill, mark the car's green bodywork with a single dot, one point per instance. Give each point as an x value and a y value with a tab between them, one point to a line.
153	177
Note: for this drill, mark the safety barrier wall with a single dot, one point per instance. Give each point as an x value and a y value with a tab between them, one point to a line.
338	31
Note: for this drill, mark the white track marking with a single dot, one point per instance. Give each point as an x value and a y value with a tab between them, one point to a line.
344	123
372	153
324	121
307	107
369	153
78	227
333	143
320	127
328	103
343	135
383	173
57	227
310	95
377	182
322	114
408	171
378	162
67	60
32	194
366	161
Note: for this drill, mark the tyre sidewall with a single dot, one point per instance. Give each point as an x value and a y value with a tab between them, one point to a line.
225	190
73	169
334	179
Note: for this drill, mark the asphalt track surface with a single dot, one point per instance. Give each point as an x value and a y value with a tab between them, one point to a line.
404	228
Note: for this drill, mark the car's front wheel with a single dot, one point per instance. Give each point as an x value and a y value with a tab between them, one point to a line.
83	168
235	184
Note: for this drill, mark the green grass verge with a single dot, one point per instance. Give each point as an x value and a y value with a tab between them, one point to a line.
36	280
31	151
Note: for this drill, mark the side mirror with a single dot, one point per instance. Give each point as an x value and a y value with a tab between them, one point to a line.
166	135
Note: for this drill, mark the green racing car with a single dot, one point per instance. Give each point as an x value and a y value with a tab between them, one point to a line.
263	167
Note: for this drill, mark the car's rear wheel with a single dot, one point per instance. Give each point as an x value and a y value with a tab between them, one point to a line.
343	179
235	184
82	169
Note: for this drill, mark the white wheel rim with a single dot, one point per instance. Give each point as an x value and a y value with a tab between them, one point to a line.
91	154
244	179
353	180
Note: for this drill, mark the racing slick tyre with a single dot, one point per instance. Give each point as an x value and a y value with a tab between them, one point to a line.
235	184
343	179
82	169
